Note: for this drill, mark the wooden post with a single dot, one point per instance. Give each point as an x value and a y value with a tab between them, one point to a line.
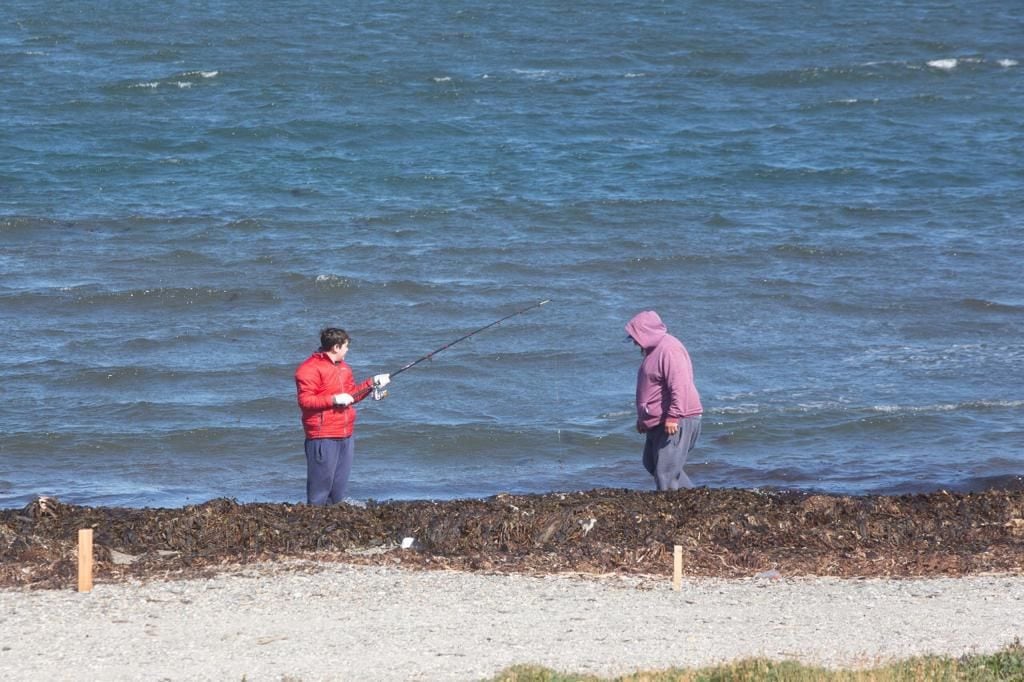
85	560
677	568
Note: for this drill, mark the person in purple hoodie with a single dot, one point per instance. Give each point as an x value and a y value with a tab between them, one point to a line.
667	403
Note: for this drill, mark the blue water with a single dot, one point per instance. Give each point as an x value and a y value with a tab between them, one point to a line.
822	200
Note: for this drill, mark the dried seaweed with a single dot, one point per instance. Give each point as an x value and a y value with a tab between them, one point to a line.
726	533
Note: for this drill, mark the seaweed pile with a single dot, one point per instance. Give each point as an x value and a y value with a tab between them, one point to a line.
723	533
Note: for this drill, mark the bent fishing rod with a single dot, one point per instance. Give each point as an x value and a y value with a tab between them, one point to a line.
431	354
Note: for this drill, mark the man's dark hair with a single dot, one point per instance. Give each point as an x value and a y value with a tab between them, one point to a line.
331	337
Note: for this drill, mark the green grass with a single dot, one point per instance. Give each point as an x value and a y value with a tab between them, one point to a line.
1007	664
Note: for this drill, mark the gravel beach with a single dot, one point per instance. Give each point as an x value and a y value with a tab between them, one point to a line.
309	621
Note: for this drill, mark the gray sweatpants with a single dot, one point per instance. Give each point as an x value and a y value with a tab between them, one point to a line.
665	455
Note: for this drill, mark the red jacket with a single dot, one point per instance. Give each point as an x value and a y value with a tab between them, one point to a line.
317	381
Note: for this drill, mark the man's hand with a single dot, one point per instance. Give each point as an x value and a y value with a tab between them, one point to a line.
381	380
343	399
671	428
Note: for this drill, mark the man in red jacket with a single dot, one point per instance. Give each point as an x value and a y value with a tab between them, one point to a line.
327	395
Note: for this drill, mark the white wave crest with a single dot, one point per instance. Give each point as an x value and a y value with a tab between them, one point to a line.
944	64
1007	63
537	74
332	281
949	407
738	409
201	74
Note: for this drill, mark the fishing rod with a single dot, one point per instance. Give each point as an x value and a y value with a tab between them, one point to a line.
378	393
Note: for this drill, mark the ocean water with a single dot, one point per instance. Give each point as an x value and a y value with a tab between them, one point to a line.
824	202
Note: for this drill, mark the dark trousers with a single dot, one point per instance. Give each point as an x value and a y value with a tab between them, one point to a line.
328	464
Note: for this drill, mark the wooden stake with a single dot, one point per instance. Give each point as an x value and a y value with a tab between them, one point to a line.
85	560
677	568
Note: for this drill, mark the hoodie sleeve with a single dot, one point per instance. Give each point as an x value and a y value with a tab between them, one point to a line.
678	374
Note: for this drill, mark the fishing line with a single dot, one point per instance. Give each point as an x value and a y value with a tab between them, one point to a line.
378	394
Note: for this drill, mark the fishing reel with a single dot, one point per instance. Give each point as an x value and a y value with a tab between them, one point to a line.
379	393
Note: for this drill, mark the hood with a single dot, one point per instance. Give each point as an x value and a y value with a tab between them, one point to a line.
647	329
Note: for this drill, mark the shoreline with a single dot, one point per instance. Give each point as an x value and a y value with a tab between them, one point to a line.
576	582
309	620
722	533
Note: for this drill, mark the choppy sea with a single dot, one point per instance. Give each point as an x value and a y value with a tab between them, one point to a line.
823	200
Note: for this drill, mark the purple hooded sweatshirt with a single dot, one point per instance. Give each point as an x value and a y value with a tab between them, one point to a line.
664	384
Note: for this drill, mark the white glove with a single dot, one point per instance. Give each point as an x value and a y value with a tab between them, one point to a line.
343	399
381	380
